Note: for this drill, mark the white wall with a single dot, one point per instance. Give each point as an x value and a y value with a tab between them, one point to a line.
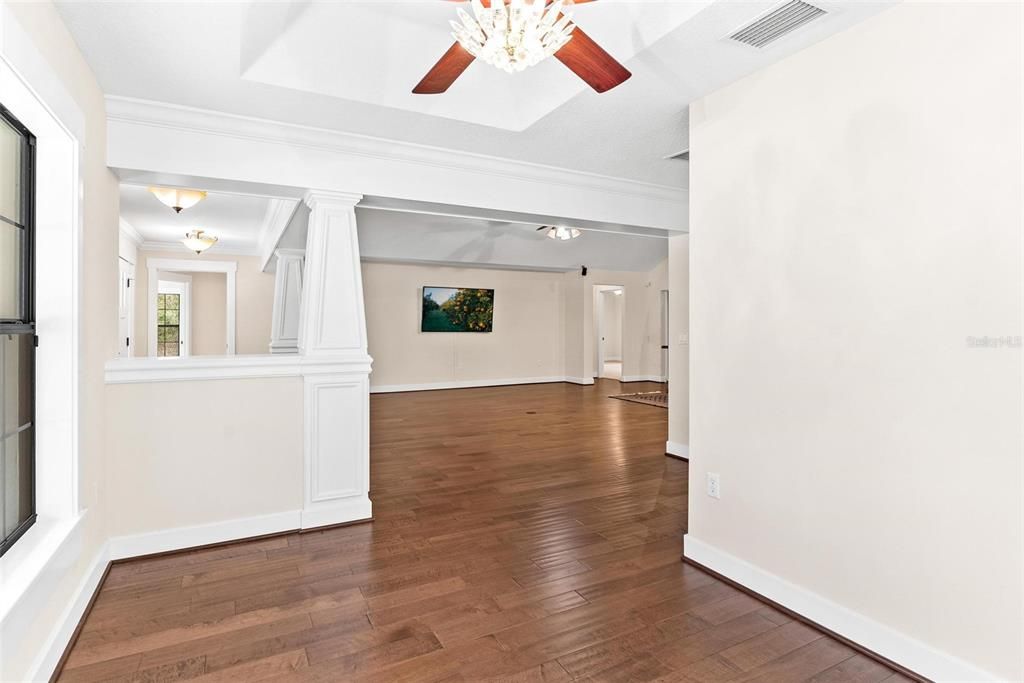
526	343
857	213
678	344
254	300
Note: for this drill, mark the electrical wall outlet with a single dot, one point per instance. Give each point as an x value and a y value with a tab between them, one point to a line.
714	485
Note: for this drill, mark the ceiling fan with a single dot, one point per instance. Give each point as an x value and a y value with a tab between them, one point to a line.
515	34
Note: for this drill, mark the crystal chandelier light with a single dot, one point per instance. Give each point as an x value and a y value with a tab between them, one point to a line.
513	36
198	241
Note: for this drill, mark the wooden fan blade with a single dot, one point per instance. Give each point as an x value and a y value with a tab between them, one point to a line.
589	61
443	74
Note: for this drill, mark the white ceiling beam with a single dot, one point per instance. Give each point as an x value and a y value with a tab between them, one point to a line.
153	137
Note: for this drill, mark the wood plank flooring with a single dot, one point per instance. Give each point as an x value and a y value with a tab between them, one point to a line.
527	533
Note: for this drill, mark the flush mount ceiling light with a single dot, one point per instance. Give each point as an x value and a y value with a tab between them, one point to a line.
178	199
560	232
198	241
515	34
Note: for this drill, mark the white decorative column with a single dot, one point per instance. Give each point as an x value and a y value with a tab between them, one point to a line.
336	366
284	322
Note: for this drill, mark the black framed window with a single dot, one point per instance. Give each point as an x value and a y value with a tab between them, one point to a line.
17	330
168	325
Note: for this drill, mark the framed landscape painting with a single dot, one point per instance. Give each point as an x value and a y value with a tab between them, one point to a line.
452	309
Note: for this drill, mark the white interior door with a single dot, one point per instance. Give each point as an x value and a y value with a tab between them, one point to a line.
664	335
125	309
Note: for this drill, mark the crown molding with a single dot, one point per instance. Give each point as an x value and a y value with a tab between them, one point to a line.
130	233
171	116
315	198
178	247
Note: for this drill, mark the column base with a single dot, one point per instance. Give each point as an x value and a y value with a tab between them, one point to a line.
354	509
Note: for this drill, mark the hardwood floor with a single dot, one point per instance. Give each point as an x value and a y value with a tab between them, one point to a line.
527	533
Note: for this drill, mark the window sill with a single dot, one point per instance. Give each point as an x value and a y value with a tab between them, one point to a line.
34	553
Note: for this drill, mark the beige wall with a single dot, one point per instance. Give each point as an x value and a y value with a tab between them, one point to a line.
254	300
230	448
209	314
678	340
98	314
543	325
856	215
526	341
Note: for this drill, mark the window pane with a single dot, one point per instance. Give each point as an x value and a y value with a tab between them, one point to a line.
17	489
10	269
12	146
16	357
172	301
171	317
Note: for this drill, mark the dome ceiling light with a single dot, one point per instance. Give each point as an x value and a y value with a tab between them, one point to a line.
178	199
198	241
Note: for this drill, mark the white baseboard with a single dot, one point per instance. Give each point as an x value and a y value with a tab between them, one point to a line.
467	384
355	509
680	450
642	378
166	540
883	640
578	380
51	652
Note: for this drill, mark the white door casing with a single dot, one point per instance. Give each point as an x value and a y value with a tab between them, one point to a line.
229	268
125	308
176	283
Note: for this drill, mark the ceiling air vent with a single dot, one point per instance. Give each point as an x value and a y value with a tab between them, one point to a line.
777	23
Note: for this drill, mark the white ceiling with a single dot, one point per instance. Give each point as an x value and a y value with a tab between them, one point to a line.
350	66
235	219
415	237
304	49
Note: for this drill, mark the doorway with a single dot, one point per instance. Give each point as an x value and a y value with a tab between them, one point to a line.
173	316
162	276
609	316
